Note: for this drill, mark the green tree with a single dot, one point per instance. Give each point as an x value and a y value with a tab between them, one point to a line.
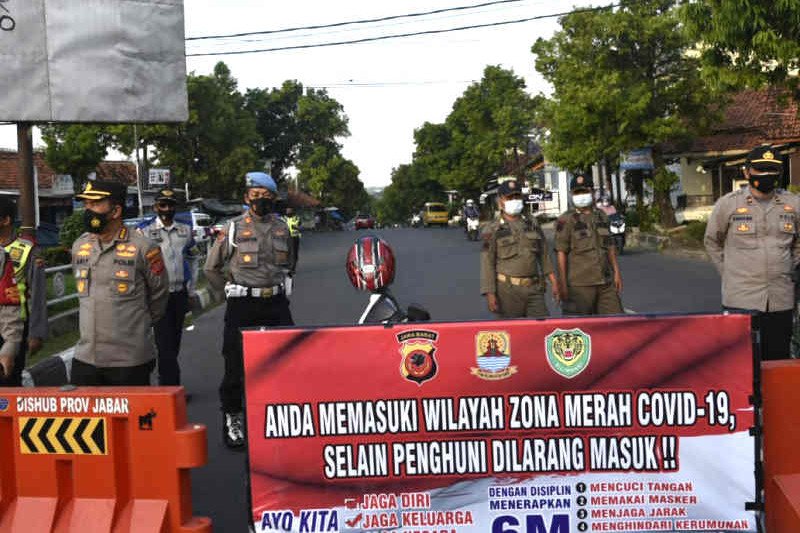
216	146
292	122
748	42
411	187
75	149
489	121
334	180
622	78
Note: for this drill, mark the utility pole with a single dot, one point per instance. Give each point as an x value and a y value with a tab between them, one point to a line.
138	170
27	210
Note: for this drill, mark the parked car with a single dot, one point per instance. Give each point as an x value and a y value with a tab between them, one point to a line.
201	226
364	222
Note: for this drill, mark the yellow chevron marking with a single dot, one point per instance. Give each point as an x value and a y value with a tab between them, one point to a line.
22	446
87	436
37	426
51	434
69	436
70	427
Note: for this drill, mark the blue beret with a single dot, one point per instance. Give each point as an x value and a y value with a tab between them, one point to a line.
260	179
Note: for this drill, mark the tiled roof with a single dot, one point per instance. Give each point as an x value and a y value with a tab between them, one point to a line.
9	170
753	117
122	171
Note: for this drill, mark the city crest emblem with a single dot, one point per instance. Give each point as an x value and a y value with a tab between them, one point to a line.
568	351
493	356
418	348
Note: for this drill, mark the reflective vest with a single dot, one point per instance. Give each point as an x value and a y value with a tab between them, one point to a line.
19	251
294	225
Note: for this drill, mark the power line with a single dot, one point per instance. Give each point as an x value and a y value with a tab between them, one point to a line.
391	24
362	21
401	35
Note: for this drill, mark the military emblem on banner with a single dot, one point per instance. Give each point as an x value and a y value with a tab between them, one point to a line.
493	355
418	348
568	351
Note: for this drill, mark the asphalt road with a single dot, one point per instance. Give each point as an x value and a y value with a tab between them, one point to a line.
437	268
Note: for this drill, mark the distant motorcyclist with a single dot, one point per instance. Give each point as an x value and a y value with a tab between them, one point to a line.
471	210
604	204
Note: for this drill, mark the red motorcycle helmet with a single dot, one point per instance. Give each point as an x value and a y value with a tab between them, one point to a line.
370	264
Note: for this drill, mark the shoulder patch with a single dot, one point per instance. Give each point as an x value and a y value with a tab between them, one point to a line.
560	225
156	261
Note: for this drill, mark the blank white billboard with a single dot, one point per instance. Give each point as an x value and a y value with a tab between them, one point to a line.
92	61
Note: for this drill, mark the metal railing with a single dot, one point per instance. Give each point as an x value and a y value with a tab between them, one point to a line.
58	279
59	284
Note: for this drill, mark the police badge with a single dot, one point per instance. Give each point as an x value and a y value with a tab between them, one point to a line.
417	348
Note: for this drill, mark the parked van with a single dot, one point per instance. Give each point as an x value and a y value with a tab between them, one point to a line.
435	213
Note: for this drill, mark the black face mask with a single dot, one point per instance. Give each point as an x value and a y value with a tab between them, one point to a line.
167	215
765	183
94	222
262	206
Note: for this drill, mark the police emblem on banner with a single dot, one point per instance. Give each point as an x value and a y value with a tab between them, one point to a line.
568	351
493	355
418	348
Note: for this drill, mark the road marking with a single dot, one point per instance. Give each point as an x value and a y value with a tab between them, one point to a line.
629	311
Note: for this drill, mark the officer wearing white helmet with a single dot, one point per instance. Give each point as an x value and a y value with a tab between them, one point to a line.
257	248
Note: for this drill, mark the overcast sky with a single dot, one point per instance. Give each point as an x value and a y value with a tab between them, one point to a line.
388	88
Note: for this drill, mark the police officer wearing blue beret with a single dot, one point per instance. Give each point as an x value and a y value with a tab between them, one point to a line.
257	248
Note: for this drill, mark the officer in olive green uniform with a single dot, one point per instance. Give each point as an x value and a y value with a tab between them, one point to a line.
122	288
515	259
257	248
752	238
587	260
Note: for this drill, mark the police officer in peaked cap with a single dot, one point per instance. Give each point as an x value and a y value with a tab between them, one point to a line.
122	287
515	259
257	248
752	238
588	271
178	248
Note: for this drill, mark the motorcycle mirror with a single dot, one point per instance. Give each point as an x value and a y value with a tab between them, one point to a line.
417	313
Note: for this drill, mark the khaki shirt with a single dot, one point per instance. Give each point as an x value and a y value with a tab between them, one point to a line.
257	251
123	289
585	238
515	248
755	249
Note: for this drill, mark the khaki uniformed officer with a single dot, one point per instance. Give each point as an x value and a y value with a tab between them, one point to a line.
515	260
122	287
752	238
587	260
257	248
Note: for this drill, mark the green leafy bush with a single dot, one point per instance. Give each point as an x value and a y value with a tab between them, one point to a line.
57	255
71	229
696	230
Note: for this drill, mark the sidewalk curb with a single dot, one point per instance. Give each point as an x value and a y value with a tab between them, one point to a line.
54	371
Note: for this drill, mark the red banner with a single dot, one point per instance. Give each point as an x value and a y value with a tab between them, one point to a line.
597	424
